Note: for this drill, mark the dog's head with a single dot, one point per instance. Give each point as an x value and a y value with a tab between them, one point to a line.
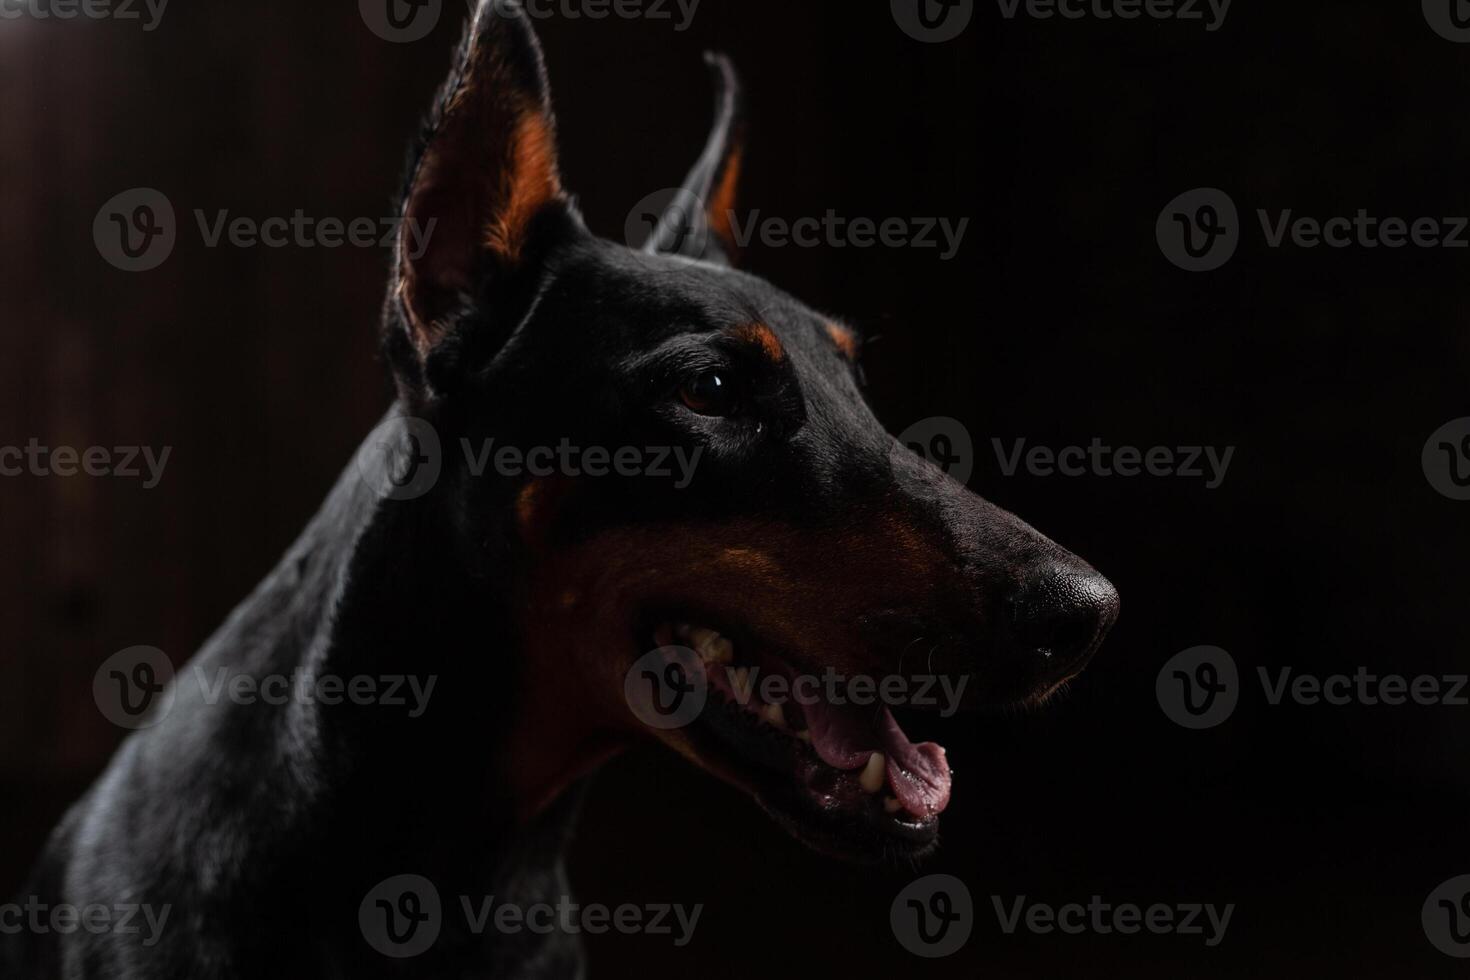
747	505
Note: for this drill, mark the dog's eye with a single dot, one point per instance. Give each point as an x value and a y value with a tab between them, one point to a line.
711	393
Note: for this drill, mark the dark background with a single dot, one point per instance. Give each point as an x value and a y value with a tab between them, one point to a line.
1060	320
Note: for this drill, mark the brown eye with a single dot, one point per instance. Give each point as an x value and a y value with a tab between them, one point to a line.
712	393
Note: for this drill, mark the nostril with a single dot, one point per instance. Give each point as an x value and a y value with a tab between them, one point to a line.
1063	615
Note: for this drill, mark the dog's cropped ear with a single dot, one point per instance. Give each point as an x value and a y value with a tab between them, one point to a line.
700	221
483	191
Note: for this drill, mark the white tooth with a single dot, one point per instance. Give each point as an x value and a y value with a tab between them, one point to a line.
713	647
805	735
773	715
874	773
891	804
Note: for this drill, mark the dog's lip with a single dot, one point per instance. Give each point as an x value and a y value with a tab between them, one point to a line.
826	806
832	815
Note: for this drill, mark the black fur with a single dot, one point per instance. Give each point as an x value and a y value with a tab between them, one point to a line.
262	827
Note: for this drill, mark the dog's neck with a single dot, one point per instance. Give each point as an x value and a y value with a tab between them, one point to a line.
382	588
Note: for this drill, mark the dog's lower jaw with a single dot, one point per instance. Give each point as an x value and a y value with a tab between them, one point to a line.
544	762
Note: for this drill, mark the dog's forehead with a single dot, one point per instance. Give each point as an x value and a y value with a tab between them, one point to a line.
659	296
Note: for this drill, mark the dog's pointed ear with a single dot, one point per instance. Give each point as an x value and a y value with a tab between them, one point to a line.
483	192
700	221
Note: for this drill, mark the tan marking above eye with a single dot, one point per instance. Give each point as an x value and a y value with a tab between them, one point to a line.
845	340
763	337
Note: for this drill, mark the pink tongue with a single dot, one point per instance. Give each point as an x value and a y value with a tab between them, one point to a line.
918	774
844	737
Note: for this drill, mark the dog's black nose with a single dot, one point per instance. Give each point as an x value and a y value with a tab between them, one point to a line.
1060	616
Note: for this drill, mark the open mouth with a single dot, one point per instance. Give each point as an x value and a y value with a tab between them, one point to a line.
832	766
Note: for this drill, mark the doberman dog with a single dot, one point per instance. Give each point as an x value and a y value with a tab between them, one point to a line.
807	540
